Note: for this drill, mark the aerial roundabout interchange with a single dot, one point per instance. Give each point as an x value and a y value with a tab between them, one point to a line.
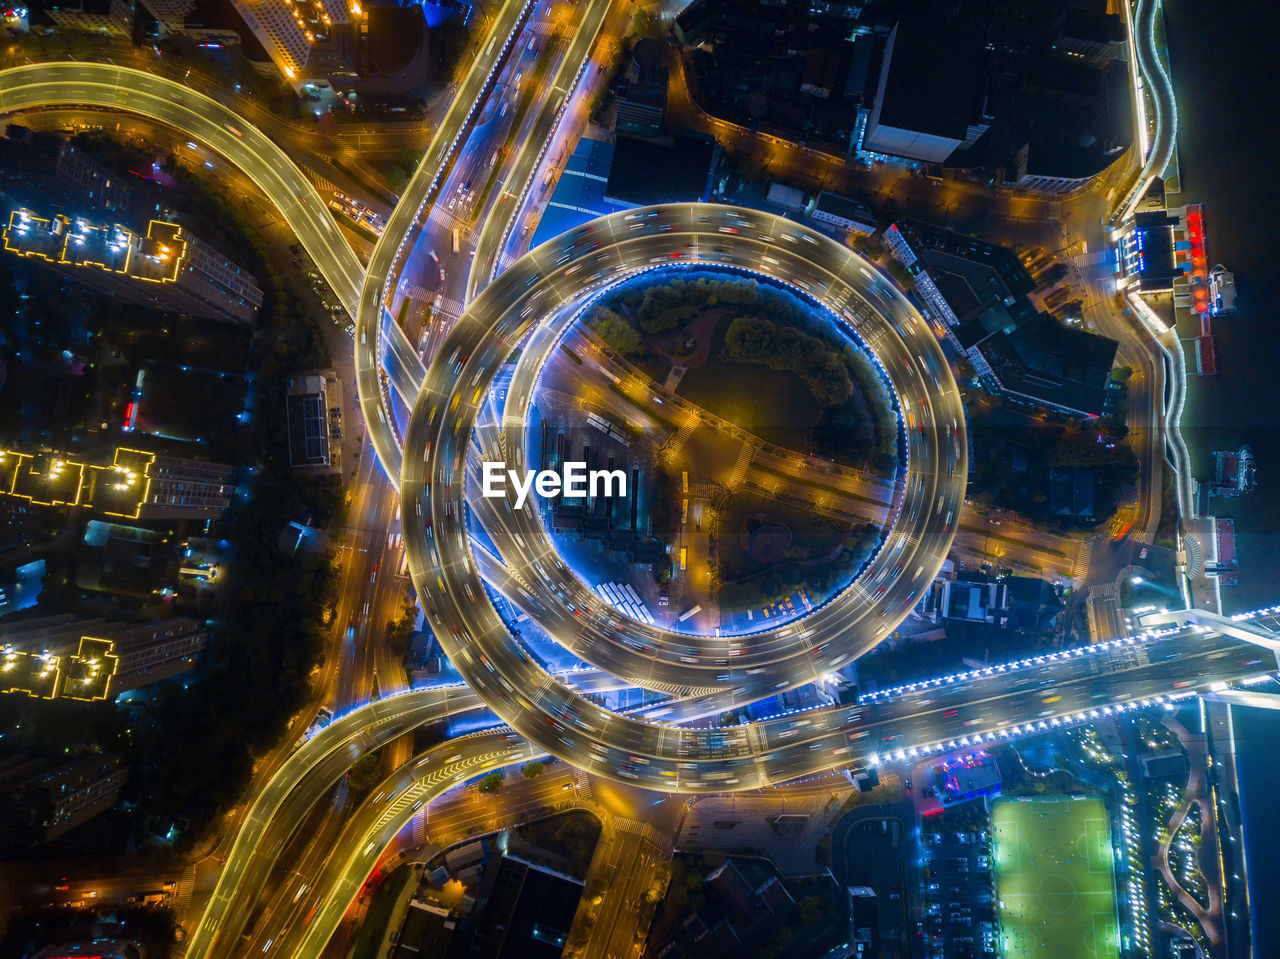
532	301
525	309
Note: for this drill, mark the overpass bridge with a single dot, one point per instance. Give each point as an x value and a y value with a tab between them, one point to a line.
1154	79
1245	697
1246	627
1189	654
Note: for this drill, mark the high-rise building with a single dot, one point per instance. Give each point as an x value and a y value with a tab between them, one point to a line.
168	269
296	34
170	15
977	293
187	489
642	98
280	33
202	277
110	17
47	166
929	93
207	23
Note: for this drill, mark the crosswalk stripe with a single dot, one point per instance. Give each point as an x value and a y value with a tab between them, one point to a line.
441	215
451	306
319	182
1083	555
740	468
186	886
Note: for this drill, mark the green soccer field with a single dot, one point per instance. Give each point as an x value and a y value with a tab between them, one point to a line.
1055	879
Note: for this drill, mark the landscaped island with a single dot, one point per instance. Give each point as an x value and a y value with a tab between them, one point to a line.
760	357
766	437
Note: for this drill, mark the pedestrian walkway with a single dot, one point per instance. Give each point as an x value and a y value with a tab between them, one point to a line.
448	219
740	467
450	306
682	436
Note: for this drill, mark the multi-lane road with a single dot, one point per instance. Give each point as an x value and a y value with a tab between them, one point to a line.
297	785
372	319
204	119
533	143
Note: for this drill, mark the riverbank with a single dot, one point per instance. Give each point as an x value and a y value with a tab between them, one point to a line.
1225	137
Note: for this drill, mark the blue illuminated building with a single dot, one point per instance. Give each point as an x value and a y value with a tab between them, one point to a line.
958	779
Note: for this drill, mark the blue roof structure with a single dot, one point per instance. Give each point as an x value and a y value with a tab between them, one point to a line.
579	195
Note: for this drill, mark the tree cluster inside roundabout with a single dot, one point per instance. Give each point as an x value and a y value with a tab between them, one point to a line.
518	320
761	437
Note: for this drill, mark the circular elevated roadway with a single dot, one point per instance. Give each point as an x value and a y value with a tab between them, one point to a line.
753	664
560	276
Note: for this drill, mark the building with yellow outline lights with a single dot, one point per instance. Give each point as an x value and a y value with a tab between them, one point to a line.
61	657
137	484
85	674
168	269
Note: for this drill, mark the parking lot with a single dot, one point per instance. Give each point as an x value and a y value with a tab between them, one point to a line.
876	853
960	909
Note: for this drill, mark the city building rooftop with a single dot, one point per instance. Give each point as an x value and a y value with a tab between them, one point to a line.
1054	364
645	172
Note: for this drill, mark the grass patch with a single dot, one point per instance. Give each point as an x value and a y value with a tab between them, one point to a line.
356	228
758	357
567	840
732	391
820	555
1054	878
